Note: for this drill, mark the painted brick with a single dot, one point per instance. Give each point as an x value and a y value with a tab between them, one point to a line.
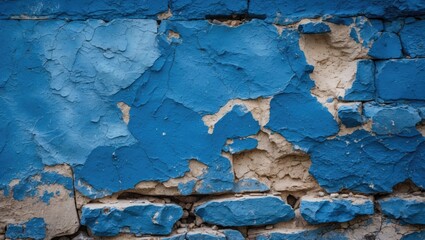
408	209
317	210
33	229
314	28
387	45
400	79
350	115
413	38
369	29
137	217
246	211
399	120
363	88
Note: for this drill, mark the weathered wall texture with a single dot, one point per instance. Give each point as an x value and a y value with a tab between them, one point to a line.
190	119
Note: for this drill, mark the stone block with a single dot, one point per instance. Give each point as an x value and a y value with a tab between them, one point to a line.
137	217
386	45
316	210
408	209
245	211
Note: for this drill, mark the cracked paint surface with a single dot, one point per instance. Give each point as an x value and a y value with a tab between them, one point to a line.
102	102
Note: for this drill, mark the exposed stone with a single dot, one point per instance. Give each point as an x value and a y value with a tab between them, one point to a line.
325	210
138	217
246	211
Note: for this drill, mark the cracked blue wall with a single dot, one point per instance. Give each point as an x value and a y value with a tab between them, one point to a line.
66	66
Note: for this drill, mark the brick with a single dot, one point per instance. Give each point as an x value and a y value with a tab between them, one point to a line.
402	79
35	228
408	209
316	210
137	217
314	28
387	119
387	45
246	211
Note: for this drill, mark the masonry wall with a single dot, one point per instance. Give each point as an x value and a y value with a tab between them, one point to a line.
272	119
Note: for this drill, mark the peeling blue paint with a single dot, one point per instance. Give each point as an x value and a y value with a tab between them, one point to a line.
240	145
347	21
290	111
350	115
414	236
35	228
187	188
395	25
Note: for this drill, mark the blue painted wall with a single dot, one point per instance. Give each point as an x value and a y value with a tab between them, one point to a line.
65	67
